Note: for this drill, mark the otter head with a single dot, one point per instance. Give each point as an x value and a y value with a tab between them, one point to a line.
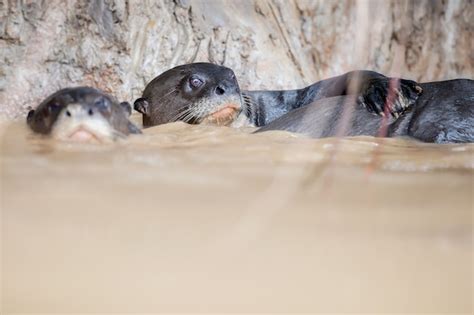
194	93
82	114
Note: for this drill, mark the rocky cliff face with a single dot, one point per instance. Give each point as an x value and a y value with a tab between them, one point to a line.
120	45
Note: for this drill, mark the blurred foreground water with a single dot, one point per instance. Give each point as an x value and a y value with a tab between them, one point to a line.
212	219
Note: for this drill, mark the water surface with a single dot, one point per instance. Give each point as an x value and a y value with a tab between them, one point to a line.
212	219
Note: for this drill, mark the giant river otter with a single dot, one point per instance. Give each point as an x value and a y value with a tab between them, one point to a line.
207	93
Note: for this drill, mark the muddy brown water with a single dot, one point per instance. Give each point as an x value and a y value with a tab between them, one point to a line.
212	219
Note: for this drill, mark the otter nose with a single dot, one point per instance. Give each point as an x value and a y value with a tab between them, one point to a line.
226	87
78	111
220	89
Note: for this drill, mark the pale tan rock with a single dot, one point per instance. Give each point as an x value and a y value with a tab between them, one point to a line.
120	45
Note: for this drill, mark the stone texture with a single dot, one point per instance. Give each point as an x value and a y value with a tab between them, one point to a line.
120	45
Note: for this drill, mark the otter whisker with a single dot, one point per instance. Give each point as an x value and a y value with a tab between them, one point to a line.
167	94
249	105
189	117
186	115
180	115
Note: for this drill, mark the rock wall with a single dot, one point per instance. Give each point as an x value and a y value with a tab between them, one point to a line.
119	45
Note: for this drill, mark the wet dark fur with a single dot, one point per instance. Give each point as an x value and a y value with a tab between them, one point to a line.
169	94
443	113
42	119
432	112
370	87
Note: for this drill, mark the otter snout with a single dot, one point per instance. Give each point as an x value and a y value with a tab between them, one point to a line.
82	123
79	112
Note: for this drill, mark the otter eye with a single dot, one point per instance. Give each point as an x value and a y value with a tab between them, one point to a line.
196	82
102	104
54	107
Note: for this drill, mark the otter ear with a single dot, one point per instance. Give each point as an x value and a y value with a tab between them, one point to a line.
29	117
126	107
141	106
103	104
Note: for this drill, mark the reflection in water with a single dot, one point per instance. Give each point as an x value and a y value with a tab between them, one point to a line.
188	218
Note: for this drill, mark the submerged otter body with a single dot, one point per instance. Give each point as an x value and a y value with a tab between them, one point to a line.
82	114
370	88
443	113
